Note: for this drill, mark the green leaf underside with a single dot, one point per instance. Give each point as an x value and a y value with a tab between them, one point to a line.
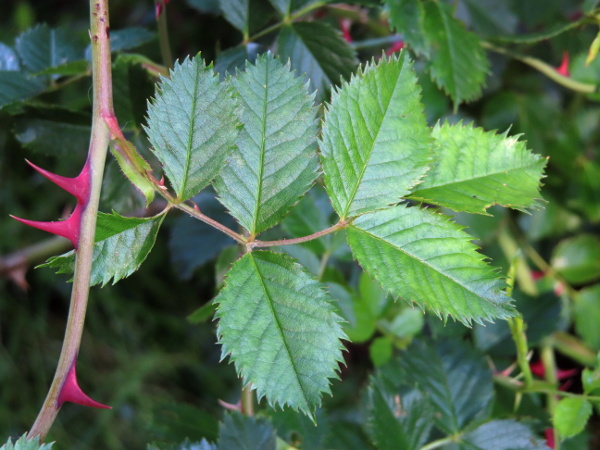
192	126
318	51
122	245
42	47
408	17
238	432
275	162
475	169
458	63
454	377
280	329
424	258
376	143
16	86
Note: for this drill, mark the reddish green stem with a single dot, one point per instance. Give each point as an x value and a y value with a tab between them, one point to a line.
99	140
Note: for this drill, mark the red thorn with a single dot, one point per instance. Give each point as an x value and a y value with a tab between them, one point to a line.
564	65
158	10
196	207
78	186
162	181
68	228
549	433
395	47
71	392
231	407
345	25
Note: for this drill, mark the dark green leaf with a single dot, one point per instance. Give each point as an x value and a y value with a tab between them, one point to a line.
587	315
458	63
185	445
423	257
131	88
42	47
8	58
16	86
130	38
589	6
206	6
280	329
248	16
475	169
52	138
375	142
503	434
122	245
229	61
24	444
290	426
408	17
399	417
239	432
275	162
571	416
193	243
202	314
71	68
578	259
490	17
318	51
192	126
454	376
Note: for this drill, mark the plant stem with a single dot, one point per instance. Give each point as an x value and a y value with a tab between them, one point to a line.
546	69
204	218
33	254
163	33
338	226
99	140
248	401
439	443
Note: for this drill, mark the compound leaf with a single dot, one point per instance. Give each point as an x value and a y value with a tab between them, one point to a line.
122	245
192	126
375	143
280	329
458	63
319	51
476	169
424	258
275	162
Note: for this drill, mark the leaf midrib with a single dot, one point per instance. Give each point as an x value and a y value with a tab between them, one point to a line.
188	153
370	152
280	330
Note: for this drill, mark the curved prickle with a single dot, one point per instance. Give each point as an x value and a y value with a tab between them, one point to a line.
71	392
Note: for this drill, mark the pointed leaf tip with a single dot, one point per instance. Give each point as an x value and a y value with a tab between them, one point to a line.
78	186
68	228
71	392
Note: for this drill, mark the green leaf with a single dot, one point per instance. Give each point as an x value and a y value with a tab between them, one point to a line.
131	87
292	427
275	162
193	243
571	416
122	245
381	350
587	315
554	30
458	63
24	444
79	67
399	418
318	51
475	169
280	329
185	445
424	258
456	378
248	16
129	38
408	17
232	59
590	380
375	142
192	125
505	434
8	58
577	259
238	432
48	137
489	17
16	86
42	47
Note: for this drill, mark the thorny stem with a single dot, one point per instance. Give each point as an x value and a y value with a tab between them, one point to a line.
99	140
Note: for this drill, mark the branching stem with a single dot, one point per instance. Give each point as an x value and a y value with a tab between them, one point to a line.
338	226
99	140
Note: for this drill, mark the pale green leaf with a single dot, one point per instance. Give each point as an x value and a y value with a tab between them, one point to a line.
577	259
571	415
408	17
280	329
458	63
319	51
238	432
424	258
454	376
275	162
376	143
8	58
475	169
16	86
587	315
42	47
192	126
122	245
503	434
24	444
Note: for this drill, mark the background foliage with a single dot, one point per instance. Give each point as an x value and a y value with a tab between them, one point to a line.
159	367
